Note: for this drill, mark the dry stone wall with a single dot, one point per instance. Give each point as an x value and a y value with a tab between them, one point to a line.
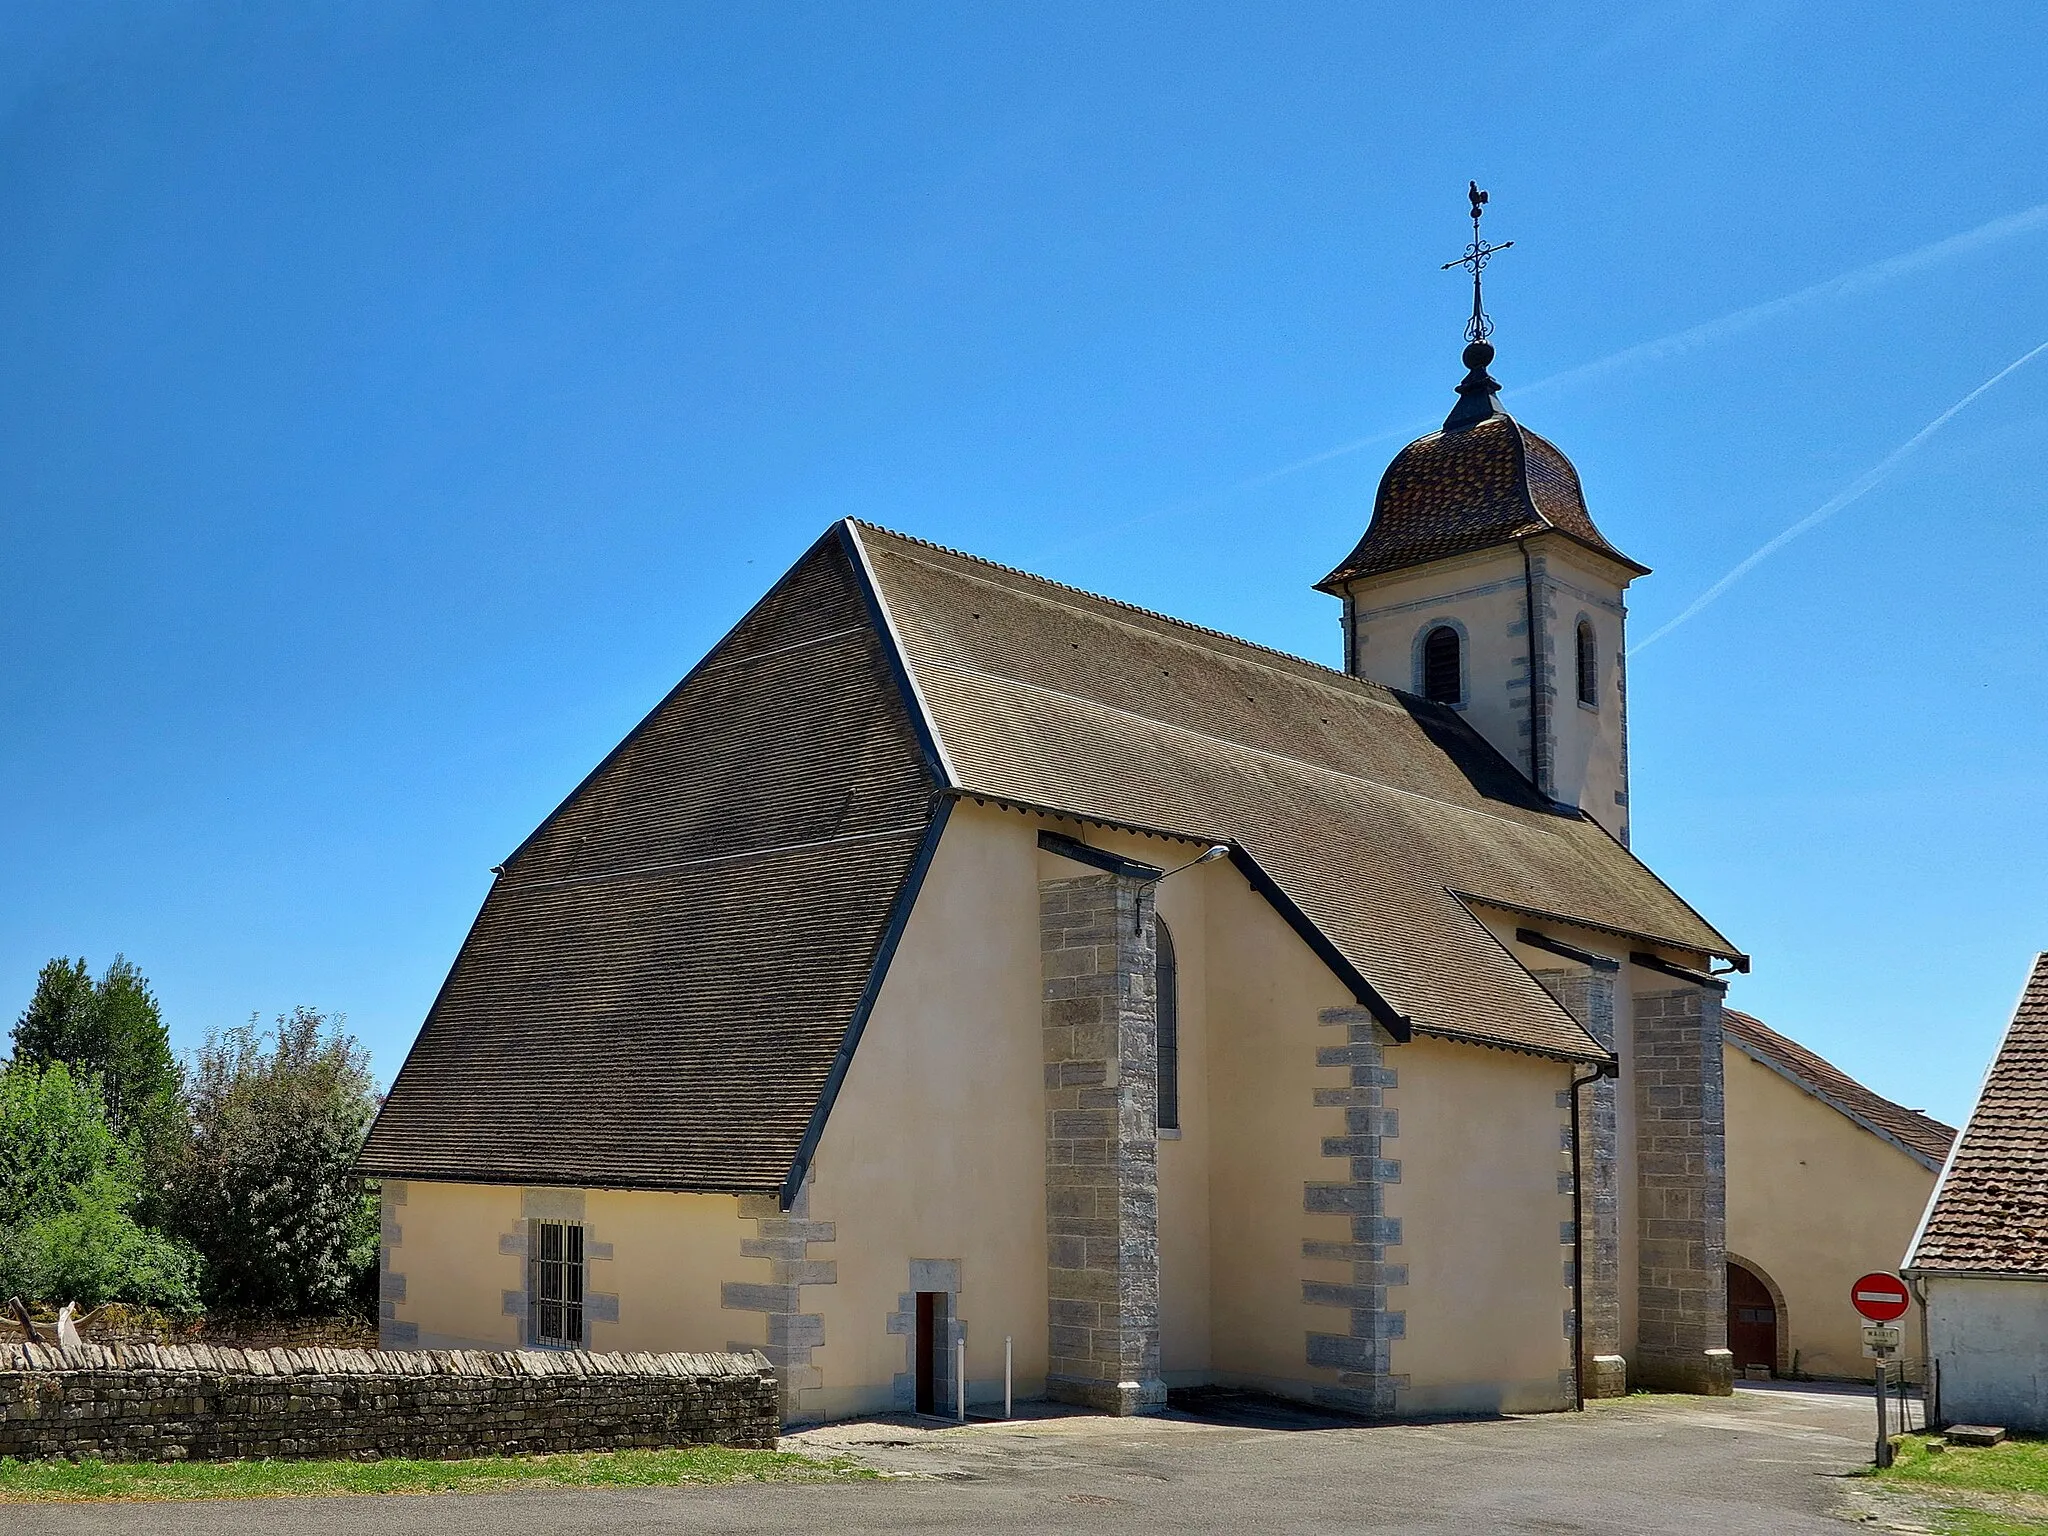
195	1402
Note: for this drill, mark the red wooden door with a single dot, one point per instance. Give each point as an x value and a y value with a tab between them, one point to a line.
1752	1320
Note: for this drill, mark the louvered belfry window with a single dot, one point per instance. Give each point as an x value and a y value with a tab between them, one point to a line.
554	1283
1442	674
1589	664
1166	984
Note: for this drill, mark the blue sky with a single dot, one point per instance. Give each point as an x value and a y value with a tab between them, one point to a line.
396	399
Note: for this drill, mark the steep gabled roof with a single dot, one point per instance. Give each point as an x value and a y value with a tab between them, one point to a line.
669	978
1367	807
661	981
1920	1137
1989	1214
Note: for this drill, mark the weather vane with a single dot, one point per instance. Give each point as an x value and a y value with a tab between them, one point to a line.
1476	256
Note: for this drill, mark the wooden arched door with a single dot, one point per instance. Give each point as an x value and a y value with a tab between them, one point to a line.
1752	1320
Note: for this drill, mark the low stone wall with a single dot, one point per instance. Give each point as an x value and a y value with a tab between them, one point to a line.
149	1402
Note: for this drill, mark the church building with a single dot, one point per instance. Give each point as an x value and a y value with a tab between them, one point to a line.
957	958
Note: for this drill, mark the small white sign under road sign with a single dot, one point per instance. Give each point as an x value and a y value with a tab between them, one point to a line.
1880	1341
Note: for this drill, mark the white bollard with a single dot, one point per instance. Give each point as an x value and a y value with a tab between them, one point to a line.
1009	1359
960	1381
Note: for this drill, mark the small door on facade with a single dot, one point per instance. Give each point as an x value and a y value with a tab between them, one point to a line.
927	1351
1752	1320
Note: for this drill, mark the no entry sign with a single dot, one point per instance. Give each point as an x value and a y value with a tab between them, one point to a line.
1880	1297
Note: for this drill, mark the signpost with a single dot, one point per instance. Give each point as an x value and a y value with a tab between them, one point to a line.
1883	1300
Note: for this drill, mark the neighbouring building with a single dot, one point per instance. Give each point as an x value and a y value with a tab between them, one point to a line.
1826	1182
1979	1263
955	956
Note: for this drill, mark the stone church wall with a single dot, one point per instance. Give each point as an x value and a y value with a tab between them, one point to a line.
194	1402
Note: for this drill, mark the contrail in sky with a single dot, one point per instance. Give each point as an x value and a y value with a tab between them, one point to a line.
1827	509
1862	279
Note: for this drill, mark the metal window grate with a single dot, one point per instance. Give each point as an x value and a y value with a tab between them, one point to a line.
1442	675
1166	985
555	1283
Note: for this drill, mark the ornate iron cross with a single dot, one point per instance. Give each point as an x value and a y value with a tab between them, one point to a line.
1476	256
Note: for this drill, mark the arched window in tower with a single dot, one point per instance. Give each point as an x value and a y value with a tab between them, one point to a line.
1443	679
1166	982
1589	665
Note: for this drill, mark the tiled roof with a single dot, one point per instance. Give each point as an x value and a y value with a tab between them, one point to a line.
1469	488
1989	1214
659	983
1921	1137
669	975
1367	807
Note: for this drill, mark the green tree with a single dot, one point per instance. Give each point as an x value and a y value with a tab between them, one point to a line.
111	1028
69	1185
265	1185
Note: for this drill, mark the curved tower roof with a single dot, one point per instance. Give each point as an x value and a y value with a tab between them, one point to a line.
1483	479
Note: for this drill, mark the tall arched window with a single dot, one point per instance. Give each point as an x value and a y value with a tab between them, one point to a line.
1167	984
1443	679
1589	665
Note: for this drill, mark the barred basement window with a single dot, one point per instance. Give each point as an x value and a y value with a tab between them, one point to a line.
1442	673
1166	983
1589	665
554	1283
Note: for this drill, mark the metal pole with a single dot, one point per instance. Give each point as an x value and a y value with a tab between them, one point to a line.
1009	1361
1884	1427
960	1381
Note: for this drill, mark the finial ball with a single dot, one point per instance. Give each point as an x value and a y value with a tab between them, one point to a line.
1479	354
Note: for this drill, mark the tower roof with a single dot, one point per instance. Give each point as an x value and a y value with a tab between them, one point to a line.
1483	479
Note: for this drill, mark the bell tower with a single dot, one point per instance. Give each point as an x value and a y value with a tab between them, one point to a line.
1482	585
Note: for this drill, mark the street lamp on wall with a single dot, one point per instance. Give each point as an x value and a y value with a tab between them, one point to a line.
1215	851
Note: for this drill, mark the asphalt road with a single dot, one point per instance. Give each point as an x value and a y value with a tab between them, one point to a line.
1767	1461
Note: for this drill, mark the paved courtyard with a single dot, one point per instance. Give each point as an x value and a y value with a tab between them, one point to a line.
1767	1461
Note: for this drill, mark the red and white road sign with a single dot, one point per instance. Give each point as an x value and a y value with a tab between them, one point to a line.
1880	1297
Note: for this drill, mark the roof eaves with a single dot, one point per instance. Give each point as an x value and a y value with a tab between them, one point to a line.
1740	961
1806	1085
1596	1052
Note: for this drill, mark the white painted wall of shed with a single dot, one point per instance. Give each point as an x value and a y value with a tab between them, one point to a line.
1989	1339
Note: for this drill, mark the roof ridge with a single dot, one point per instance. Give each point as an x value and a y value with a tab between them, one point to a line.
1322	671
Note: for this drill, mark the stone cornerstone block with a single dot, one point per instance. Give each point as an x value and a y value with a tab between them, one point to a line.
1682	1244
1100	1019
1588	996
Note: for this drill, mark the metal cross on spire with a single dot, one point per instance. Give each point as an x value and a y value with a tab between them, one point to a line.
1476	256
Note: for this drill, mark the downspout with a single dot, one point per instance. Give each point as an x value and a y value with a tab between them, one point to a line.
1539	713
1604	1069
1930	1384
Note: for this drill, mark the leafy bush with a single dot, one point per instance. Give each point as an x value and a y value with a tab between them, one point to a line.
264	1184
68	1187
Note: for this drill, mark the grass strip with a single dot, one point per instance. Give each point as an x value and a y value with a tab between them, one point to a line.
2016	1466
77	1482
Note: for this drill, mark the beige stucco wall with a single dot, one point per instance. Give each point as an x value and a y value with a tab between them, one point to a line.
935	1152
935	1148
1814	1200
661	1255
1480	1151
1484	595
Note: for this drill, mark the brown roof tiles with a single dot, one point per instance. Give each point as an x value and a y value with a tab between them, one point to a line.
1989	1214
1466	489
1924	1139
669	977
